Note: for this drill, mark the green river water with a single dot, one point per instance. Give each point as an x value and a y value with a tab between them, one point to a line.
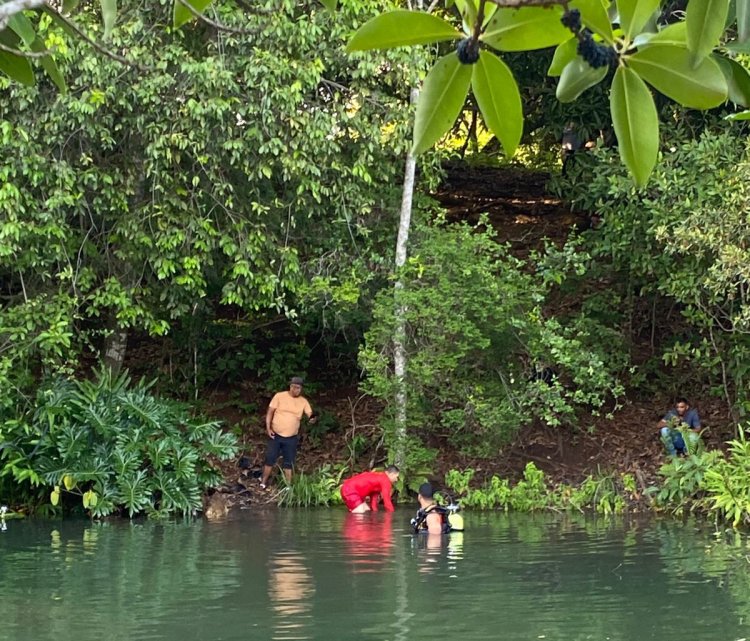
328	575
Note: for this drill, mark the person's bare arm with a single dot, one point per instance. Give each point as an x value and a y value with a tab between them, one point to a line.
310	414
269	420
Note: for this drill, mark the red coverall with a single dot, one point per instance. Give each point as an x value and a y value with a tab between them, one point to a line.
372	485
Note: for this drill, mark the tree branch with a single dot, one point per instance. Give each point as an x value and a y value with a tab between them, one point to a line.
96	45
12	7
26	54
216	25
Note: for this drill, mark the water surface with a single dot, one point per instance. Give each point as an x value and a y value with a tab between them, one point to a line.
328	575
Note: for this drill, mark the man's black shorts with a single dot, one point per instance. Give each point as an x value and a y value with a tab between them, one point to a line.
285	446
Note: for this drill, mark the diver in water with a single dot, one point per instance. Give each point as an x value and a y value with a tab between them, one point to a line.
433	518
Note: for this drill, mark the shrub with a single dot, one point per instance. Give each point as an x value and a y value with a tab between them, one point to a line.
319	488
117	446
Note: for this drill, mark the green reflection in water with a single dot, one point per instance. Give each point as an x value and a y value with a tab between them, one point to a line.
325	574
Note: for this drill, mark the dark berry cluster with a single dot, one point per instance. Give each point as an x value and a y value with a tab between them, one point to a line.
572	20
597	55
468	51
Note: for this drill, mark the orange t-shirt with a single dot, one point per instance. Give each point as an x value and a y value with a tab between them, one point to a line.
288	414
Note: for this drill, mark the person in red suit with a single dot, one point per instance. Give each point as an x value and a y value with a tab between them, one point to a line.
369	486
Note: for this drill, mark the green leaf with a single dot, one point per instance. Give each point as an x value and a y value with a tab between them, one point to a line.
17	68
50	66
441	100
401	28
578	76
673	34
636	123
182	14
743	20
669	69
525	29
738	80
499	100
705	24
594	16
329	4
468	11
22	26
69	6
564	53
109	15
740	115
634	14
738	47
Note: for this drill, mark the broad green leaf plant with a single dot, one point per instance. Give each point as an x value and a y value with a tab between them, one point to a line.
625	42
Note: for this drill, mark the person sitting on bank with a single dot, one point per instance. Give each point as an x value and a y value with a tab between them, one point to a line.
433	518
366	487
685	418
283	419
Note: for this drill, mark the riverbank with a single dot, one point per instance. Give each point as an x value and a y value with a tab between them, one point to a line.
625	445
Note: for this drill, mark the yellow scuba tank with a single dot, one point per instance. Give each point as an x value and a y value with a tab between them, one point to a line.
455	520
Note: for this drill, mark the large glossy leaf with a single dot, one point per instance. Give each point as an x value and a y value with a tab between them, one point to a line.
68	6
578	76
742	115
468	11
16	67
634	14
738	80
673	34
499	100
636	123
525	29
329	4
743	20
401	28
669	69
564	53
182	14
441	100
705	23
21	25
109	15
50	66
594	16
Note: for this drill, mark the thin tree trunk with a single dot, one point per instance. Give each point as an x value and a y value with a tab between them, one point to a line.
399	338
115	346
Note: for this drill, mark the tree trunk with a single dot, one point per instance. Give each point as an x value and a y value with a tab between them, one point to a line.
115	346
399	338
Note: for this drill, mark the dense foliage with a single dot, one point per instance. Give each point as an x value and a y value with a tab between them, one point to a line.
237	181
229	204
476	334
239	174
116	446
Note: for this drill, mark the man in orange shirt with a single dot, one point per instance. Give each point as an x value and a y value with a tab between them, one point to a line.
282	426
369	486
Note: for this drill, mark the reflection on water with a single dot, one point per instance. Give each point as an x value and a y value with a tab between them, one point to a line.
329	575
291	591
368	541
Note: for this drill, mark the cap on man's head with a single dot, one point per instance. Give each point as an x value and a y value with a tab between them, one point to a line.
297	380
425	490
